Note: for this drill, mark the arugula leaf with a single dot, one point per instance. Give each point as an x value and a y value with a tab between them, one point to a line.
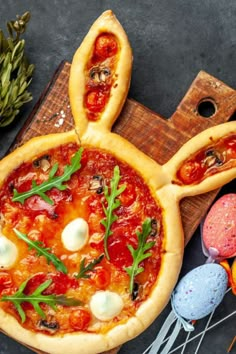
139	254
52	182
36	298
89	267
112	204
42	251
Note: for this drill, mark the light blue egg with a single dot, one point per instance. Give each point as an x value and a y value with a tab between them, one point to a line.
200	291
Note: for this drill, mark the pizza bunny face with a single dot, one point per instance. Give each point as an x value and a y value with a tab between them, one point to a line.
90	225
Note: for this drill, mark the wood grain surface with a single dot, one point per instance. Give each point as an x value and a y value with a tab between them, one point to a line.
156	136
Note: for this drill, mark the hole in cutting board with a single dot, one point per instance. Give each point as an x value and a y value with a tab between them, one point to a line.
207	108
233	117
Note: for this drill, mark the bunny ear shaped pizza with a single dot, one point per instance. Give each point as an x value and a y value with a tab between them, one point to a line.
91	239
100	74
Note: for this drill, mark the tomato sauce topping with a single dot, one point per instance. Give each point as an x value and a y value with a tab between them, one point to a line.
43	222
217	157
100	74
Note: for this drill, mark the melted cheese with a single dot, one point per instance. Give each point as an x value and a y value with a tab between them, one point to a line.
105	305
8	253
75	234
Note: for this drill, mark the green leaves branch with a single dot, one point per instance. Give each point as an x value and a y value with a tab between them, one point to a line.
36	298
112	204
85	269
42	251
15	71
52	182
140	253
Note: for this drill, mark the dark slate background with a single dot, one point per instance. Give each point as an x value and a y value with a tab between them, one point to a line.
172	41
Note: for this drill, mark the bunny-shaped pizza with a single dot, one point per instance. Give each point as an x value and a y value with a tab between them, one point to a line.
91	239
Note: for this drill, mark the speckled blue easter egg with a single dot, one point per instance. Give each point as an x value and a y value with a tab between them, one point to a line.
200	291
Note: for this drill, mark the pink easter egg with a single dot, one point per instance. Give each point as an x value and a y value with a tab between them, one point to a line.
219	229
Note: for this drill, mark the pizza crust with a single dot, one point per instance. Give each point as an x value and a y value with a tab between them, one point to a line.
205	138
107	22
32	149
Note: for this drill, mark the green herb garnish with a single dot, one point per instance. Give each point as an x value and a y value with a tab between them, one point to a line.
139	254
112	204
89	267
15	70
52	182
36	298
42	251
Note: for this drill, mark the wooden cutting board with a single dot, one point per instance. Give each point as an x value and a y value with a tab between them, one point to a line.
156	136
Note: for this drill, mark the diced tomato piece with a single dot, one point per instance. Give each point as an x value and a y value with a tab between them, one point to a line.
95	100
97	245
231	148
105	46
118	250
60	283
128	196
119	253
79	319
94	203
231	153
101	277
24	184
5	281
93	117
190	172
34	283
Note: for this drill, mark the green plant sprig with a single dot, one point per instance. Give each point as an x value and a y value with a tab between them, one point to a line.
88	268
52	182
15	71
140	253
36	298
112	204
42	251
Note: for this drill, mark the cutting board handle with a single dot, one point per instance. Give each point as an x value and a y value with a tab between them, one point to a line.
208	102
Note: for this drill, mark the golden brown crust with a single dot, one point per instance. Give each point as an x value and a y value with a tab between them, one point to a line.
207	137
108	23
33	148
